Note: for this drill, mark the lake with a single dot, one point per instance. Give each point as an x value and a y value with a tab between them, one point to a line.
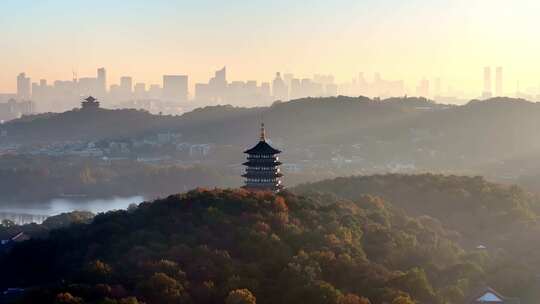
24	213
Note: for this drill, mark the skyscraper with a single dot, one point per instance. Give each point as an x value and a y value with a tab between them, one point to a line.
175	87
218	86
139	91
126	87
23	86
126	83
102	81
499	81
487	93
279	88
220	77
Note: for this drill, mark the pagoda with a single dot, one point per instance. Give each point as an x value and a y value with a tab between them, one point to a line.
262	172
90	103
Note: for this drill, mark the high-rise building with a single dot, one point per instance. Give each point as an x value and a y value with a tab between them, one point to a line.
175	87
288	77
87	86
154	91
102	81
139	91
126	88
217	86
126	84
296	89
487	93
279	88
23	87
499	81
220	76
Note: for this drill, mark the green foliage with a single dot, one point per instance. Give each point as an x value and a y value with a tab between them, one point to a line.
7	223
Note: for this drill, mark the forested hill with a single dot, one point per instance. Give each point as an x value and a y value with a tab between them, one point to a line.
78	125
293	119
499	220
235	246
483	213
428	134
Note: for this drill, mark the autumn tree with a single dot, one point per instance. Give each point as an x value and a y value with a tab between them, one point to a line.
353	299
240	296
160	288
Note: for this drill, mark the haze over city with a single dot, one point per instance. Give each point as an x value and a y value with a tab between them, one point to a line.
450	40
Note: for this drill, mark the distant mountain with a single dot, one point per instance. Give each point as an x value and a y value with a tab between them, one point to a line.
220	124
78	125
413	132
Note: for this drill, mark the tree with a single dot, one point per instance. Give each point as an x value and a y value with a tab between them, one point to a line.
130	300
8	223
161	288
98	270
353	299
240	296
67	298
403	300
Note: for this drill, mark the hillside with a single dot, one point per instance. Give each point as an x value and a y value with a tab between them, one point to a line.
474	138
483	213
77	125
203	246
294	119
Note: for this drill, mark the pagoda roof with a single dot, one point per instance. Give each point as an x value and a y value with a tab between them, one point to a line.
271	163
262	148
90	99
262	175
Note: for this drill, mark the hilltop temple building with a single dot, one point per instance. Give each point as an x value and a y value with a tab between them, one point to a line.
262	167
90	103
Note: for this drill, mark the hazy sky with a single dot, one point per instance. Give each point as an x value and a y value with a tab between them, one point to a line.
452	39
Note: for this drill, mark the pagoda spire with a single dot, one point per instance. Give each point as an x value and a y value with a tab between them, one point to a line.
263	132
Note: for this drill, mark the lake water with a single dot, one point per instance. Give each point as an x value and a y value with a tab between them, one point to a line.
38	212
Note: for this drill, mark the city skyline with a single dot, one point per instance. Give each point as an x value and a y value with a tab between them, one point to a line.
284	86
258	39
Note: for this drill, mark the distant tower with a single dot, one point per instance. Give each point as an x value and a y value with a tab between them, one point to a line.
102	80
262	172
23	87
279	88
499	81
487	83
175	88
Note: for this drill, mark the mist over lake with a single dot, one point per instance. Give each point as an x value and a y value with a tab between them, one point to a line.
24	213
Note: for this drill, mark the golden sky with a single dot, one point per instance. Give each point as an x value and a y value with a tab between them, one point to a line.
409	40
